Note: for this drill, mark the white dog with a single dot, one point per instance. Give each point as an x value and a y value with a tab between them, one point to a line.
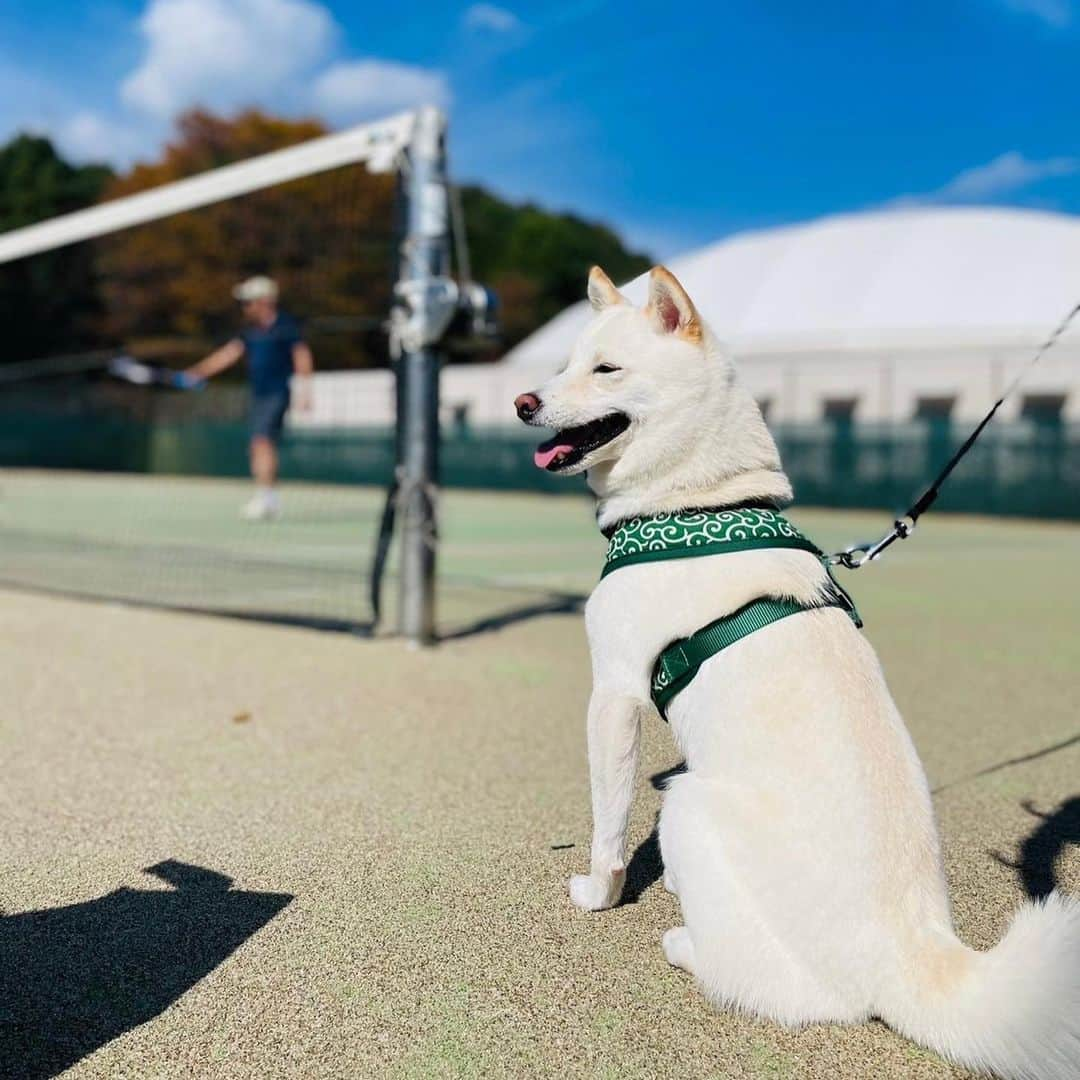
801	841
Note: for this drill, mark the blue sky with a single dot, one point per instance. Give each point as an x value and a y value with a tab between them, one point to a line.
676	123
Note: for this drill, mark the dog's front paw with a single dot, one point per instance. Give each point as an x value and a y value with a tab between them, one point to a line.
594	892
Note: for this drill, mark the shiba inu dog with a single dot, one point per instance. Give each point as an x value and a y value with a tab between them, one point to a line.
801	841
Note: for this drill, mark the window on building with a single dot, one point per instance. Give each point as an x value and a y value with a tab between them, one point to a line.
840	411
1043	408
839	414
459	417
936	409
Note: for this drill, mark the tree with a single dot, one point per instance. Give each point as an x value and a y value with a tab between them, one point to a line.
538	261
49	303
326	238
164	290
330	241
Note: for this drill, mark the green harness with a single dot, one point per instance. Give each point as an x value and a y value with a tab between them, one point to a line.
690	533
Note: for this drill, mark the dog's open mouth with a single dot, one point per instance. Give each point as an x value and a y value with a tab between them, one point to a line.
568	447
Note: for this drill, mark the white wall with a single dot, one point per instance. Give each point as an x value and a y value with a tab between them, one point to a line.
886	383
349	399
344	398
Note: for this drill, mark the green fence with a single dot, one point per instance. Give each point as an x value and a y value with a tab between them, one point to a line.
1019	468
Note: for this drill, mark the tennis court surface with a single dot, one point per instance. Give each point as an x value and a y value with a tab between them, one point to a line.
242	849
180	542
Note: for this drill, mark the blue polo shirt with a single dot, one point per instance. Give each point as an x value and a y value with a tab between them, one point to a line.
268	351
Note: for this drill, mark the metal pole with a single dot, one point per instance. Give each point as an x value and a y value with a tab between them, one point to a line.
424	267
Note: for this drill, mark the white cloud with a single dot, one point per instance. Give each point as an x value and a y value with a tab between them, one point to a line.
90	136
357	89
491	17
1005	174
1055	13
281	55
224	53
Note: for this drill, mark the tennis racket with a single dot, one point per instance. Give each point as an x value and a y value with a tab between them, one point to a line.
133	371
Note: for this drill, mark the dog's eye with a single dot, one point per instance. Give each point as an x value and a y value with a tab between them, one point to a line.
604	369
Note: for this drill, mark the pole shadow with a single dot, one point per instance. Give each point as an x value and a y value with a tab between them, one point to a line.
1041	848
74	978
327	625
1046	751
557	604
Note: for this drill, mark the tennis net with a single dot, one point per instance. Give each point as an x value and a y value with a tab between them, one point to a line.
84	507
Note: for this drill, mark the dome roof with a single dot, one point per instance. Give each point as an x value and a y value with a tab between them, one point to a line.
895	278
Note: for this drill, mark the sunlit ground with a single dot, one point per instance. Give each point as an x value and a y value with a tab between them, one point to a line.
399	824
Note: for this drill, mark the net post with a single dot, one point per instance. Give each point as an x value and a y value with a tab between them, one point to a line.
423	274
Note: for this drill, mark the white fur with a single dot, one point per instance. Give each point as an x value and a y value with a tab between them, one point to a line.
801	842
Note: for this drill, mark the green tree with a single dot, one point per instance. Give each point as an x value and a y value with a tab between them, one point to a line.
538	261
49	303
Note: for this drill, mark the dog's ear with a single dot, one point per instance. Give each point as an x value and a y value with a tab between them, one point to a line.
670	310
602	293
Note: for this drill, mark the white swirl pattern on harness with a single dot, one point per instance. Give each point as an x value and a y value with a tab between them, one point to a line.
693	529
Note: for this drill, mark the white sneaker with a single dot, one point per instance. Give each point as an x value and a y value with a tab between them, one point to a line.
262	506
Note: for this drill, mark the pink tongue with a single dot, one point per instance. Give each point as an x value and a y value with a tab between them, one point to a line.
543	458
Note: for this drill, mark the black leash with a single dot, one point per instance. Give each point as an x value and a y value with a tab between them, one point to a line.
860	554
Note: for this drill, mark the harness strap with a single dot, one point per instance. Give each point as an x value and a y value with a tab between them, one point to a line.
687	534
717	547
677	665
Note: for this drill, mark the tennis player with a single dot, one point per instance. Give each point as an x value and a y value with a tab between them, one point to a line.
275	352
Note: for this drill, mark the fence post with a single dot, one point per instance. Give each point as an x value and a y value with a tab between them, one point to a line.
423	277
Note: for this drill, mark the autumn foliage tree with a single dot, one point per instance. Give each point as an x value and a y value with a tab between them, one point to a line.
327	239
164	290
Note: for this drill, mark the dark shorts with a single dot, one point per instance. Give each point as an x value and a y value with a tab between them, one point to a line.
268	415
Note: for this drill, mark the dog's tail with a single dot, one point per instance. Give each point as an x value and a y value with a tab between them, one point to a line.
1013	1011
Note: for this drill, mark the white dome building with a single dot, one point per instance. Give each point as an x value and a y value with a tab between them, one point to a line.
878	316
885	316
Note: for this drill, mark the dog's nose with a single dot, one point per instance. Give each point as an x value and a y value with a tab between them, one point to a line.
526	405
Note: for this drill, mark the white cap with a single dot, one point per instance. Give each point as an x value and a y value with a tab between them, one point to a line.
259	287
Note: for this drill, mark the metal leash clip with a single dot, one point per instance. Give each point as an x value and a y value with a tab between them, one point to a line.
856	555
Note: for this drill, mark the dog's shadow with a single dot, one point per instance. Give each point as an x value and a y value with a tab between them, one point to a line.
1041	848
646	867
74	978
